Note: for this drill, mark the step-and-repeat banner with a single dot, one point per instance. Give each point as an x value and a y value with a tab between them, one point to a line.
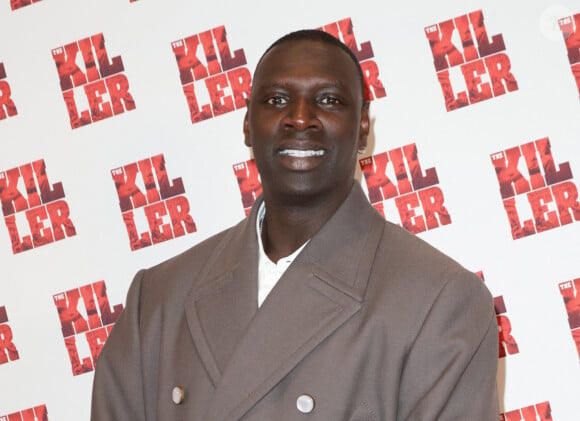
121	145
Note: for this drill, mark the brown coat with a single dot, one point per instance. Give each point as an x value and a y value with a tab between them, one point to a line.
369	321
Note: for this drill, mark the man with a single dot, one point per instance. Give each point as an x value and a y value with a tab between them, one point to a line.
366	323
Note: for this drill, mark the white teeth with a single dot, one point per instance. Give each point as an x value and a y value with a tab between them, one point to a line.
296	153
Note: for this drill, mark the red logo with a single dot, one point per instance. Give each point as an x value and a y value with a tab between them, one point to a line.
47	207
343	30
98	83
507	343
248	182
538	412
551	199
8	351
162	198
38	413
96	325
17	4
7	107
570	291
484	67
569	28
412	191
205	78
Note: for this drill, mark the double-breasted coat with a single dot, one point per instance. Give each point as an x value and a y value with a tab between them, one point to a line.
368	323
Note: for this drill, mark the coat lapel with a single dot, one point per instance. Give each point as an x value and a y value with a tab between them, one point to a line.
320	291
223	301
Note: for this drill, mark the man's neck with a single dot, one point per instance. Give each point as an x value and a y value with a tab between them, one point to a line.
287	227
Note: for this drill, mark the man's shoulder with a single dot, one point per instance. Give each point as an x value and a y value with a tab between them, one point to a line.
410	278
414	264
181	270
410	250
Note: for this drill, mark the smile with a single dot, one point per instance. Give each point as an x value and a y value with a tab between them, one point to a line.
297	153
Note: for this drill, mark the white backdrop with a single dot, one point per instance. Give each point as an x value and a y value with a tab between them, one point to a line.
529	275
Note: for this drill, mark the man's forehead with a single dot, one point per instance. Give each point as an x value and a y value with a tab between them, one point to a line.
286	54
290	46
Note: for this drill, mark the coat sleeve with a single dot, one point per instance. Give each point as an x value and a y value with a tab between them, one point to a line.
451	368
118	385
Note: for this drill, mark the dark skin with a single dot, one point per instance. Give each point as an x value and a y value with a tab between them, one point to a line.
306	120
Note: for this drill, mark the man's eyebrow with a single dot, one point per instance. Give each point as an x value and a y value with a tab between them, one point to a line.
283	84
333	85
272	85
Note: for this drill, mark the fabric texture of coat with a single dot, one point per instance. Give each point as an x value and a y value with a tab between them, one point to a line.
369	322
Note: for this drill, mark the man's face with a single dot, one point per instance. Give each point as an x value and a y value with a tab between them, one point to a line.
306	119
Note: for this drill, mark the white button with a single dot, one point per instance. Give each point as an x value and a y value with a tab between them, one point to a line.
305	403
177	395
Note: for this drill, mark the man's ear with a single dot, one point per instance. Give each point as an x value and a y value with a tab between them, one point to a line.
247	126
364	126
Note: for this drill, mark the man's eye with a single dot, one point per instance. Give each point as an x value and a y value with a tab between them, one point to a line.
276	100
329	100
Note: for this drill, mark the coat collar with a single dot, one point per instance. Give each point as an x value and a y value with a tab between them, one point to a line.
248	351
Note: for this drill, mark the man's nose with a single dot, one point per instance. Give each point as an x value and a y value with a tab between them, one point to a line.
302	115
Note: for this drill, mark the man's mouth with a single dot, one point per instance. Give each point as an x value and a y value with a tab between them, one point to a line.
299	153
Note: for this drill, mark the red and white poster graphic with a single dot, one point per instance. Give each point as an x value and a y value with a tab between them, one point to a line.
38	413
7	106
507	343
41	212
543	191
93	86
91	326
214	80
571	32
8	351
570	291
17	4
248	182
343	30
165	211
474	71
417	197
538	412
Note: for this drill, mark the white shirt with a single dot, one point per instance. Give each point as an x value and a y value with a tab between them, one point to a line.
269	272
